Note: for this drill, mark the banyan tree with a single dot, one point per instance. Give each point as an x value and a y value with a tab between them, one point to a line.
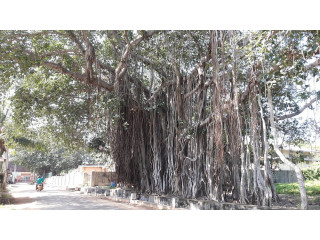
194	114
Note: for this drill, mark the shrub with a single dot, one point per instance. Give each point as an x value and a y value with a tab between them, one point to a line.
312	173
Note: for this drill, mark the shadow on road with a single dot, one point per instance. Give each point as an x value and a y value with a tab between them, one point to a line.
62	202
25	196
21	200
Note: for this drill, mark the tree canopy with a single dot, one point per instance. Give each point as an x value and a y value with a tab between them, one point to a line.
180	112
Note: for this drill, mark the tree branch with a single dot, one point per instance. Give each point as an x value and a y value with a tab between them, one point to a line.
121	69
313	64
82	77
151	64
74	38
59	68
89	56
61	52
199	69
163	85
298	112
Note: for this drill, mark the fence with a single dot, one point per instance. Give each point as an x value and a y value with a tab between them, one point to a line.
78	179
281	176
72	180
284	176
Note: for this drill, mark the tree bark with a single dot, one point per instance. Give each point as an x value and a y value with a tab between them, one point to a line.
268	181
218	137
303	195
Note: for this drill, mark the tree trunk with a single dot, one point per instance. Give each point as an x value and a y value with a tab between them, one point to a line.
303	195
238	139
258	183
268	181
218	138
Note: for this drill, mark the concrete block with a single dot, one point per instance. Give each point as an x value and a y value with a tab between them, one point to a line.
156	199
113	192
194	206
167	201
87	190
150	199
173	203
133	196
107	192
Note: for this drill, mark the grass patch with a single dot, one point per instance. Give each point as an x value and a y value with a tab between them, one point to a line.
312	188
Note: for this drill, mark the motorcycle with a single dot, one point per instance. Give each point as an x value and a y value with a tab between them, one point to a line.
39	187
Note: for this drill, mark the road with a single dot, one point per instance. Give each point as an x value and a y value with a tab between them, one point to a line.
52	198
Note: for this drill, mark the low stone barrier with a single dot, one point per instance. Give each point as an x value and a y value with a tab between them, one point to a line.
168	202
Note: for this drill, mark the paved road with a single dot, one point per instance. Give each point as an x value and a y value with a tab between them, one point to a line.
51	198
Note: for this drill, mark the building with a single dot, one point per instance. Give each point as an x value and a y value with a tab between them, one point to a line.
20	174
92	168
305	157
84	175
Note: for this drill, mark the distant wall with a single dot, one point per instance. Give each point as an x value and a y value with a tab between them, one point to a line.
284	176
90	169
73	179
102	178
281	176
79	179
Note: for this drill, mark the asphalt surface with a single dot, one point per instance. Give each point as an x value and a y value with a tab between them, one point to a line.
52	198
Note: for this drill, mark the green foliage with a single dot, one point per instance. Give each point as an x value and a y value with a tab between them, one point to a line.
312	173
70	109
96	143
58	102
296	132
27	143
55	161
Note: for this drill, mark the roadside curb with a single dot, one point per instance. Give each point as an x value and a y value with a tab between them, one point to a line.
168	202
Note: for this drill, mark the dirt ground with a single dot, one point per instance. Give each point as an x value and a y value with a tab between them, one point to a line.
293	201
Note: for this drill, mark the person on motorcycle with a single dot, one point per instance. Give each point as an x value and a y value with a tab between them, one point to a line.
39	181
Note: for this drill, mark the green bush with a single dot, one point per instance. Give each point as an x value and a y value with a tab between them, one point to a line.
312	173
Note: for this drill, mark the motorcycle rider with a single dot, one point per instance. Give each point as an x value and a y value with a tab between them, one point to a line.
39	181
